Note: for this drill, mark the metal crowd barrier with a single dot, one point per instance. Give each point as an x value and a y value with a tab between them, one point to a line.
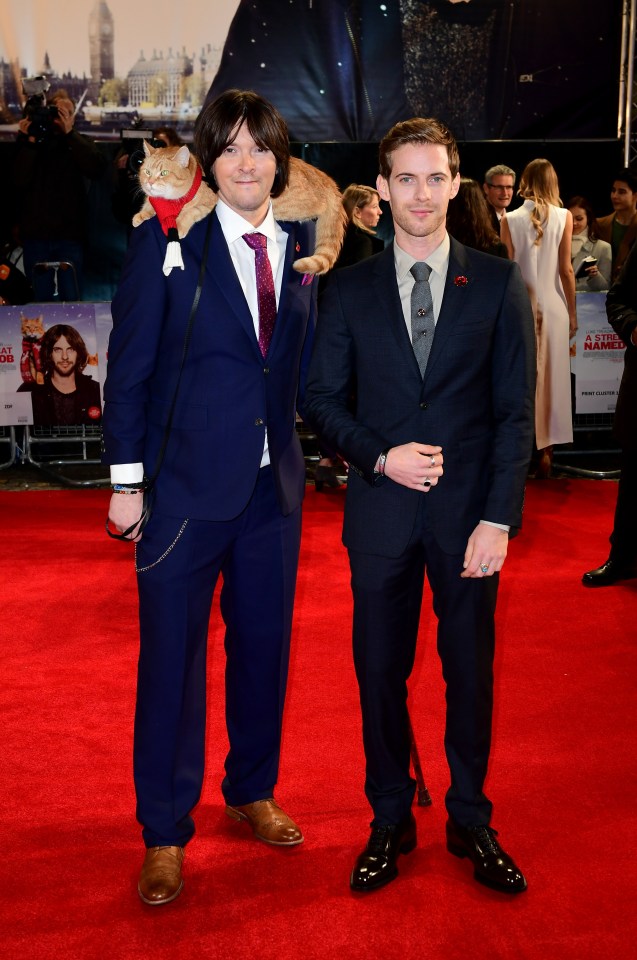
52	449
598	425
9	446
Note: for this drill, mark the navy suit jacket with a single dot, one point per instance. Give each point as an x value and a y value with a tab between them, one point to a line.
228	395
476	399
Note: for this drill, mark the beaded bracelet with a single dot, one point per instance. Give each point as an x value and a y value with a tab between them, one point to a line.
128	487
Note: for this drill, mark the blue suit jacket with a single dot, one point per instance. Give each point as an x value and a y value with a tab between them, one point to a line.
476	399
228	394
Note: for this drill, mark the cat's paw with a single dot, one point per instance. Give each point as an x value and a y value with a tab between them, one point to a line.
316	265
145	213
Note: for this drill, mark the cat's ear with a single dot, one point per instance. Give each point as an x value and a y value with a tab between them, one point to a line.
148	150
182	157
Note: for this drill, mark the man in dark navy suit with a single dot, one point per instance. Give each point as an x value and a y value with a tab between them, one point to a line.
437	342
621	307
228	494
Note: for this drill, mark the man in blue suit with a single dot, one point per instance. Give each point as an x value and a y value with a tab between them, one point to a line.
227	497
436	341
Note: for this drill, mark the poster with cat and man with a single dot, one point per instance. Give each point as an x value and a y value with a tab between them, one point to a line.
52	363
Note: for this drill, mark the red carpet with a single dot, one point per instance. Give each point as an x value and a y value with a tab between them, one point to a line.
562	775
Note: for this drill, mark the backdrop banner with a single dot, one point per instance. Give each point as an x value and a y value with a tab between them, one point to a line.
338	70
349	69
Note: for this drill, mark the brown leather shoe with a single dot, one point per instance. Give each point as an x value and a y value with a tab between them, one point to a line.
160	880
269	823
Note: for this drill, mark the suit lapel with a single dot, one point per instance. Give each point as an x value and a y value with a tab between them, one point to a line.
289	280
388	298
453	301
223	275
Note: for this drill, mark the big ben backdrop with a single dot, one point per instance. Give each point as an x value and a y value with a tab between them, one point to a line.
101	38
148	60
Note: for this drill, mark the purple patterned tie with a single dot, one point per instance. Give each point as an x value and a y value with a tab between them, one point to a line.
265	288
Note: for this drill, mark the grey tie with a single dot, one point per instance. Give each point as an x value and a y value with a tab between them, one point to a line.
422	315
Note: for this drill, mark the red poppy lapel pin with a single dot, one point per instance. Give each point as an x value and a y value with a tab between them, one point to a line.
461	281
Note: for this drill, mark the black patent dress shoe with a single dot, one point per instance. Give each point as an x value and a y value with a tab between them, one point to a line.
609	573
376	865
492	866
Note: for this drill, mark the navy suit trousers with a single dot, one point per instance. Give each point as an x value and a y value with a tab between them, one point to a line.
178	564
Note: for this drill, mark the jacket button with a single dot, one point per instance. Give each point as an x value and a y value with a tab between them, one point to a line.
424	405
266	369
258	422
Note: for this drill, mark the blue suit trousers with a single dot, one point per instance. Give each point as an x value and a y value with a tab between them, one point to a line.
178	564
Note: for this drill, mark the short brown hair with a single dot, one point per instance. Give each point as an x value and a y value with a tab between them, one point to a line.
418	130
217	125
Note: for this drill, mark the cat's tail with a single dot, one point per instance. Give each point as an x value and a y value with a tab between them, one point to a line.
330	230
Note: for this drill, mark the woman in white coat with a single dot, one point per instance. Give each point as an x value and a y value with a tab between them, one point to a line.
538	236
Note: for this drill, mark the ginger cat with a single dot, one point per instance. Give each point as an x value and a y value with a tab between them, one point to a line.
169	173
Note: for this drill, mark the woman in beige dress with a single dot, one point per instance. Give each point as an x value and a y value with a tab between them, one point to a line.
538	236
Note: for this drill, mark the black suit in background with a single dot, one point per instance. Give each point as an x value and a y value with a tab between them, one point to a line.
357	245
495	220
621	306
476	402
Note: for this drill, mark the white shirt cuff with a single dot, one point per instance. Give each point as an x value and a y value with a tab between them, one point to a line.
127	472
500	526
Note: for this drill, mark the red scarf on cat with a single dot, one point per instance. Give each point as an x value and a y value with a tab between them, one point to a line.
168	210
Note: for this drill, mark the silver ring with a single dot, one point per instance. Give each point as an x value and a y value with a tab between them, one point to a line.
426	483
433	461
484	567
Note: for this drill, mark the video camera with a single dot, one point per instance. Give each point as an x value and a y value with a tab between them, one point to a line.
136	147
41	115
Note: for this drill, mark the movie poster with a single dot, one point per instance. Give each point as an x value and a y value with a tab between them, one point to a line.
599	358
53	363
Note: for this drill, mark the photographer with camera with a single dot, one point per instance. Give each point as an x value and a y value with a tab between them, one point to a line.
51	161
